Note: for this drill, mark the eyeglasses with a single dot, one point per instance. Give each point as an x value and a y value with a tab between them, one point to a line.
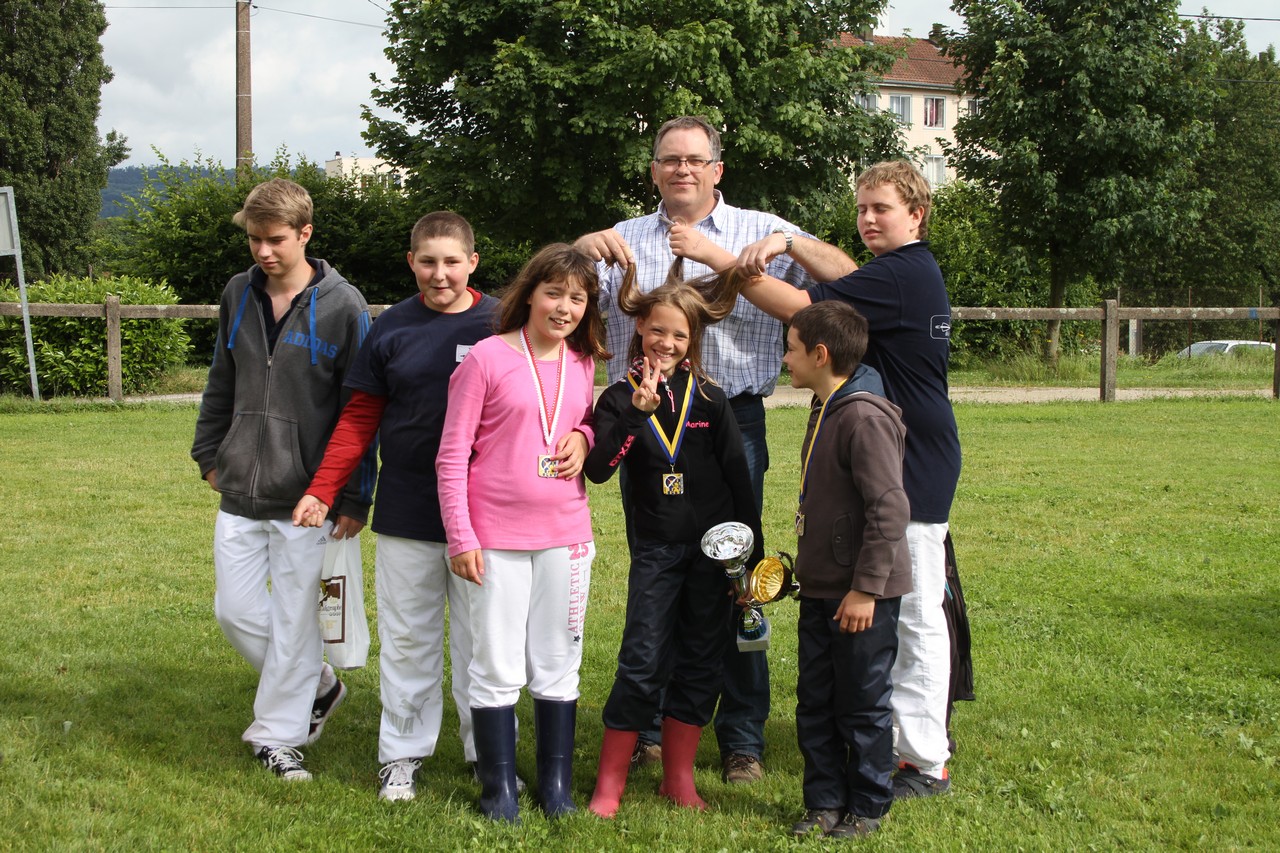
694	164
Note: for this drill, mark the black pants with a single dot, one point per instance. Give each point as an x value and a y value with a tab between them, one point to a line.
844	722
677	625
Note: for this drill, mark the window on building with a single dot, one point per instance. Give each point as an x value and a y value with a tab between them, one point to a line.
868	101
900	106
935	169
973	105
935	110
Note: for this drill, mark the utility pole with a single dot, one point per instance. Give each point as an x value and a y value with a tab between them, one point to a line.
244	91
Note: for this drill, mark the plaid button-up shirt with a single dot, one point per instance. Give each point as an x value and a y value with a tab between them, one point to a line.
741	353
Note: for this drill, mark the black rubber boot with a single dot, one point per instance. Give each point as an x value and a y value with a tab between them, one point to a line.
554	724
495	732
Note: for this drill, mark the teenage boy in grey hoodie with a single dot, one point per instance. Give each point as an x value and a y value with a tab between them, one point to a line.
288	329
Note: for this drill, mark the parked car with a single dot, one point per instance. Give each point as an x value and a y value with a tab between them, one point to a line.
1222	347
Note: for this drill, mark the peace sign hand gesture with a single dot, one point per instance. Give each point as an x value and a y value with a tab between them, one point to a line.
646	397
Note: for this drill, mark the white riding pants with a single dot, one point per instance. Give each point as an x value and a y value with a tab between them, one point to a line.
413	584
527	621
275	627
922	672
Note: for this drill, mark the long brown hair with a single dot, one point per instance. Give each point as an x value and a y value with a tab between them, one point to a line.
559	262
702	301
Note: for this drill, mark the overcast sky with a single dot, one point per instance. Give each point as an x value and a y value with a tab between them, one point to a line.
174	64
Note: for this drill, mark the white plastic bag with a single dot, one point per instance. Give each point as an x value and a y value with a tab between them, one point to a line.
343	623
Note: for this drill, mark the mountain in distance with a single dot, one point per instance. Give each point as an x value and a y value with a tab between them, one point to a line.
127	181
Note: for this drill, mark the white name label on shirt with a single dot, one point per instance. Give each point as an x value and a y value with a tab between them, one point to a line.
463	349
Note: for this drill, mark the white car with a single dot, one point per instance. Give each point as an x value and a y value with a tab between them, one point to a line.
1221	347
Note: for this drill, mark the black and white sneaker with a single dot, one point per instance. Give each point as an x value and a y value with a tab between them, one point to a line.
285	762
397	780
322	709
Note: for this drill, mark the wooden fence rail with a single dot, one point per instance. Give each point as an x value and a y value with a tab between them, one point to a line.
1111	314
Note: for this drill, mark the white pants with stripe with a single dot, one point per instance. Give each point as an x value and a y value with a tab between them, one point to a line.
922	671
413	584
274	628
527	621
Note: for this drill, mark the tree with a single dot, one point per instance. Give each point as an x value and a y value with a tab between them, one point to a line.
51	77
1090	117
980	272
535	119
179	230
1234	251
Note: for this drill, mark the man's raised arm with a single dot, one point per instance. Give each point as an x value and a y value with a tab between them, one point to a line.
822	261
775	297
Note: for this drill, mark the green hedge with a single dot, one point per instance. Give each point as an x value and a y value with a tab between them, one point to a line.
71	352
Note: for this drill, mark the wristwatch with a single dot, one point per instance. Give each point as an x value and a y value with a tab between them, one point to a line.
787	234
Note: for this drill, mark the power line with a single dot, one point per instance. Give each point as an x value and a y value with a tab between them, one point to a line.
256	6
317	17
1231	18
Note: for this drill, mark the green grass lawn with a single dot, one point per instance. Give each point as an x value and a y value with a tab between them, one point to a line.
1120	567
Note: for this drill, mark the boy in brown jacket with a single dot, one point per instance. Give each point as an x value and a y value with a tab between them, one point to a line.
853	567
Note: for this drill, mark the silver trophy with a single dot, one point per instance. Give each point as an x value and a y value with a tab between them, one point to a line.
730	545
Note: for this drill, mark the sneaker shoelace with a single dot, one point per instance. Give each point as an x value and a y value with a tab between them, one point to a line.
398	774
284	759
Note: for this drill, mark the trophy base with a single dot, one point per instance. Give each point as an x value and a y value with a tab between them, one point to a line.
757	640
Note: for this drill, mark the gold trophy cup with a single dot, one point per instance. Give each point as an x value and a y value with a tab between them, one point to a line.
730	545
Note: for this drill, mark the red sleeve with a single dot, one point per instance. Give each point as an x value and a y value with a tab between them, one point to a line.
355	431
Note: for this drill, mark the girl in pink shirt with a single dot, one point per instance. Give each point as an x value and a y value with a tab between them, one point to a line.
514	505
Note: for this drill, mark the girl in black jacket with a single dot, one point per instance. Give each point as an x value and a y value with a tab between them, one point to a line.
673	430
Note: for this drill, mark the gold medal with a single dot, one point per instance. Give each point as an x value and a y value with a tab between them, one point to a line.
672	482
548	467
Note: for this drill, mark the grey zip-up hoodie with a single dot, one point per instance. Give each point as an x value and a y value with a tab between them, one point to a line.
855	509
266	416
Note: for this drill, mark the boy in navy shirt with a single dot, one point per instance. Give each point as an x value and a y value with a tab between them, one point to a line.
902	295
399	385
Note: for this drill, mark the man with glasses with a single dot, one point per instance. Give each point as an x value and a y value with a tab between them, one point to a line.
741	353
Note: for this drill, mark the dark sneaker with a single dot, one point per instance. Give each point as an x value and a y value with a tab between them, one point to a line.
742	769
322	709
285	762
853	826
475	774
823	820
397	780
909	782
646	754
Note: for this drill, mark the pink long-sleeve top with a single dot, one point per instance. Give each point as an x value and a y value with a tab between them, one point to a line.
490	493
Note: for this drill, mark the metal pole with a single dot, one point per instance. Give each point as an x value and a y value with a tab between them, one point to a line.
10	214
244	91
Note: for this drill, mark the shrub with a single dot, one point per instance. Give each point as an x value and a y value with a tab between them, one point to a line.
71	352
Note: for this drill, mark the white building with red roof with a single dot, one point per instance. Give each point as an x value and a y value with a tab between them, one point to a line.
920	90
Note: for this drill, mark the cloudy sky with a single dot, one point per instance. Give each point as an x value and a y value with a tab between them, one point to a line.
174	64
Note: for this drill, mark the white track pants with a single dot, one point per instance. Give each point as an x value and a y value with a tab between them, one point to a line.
413	583
275	629
527	622
922	672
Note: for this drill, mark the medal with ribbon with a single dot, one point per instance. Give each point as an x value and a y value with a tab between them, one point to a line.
547	466
672	481
804	467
